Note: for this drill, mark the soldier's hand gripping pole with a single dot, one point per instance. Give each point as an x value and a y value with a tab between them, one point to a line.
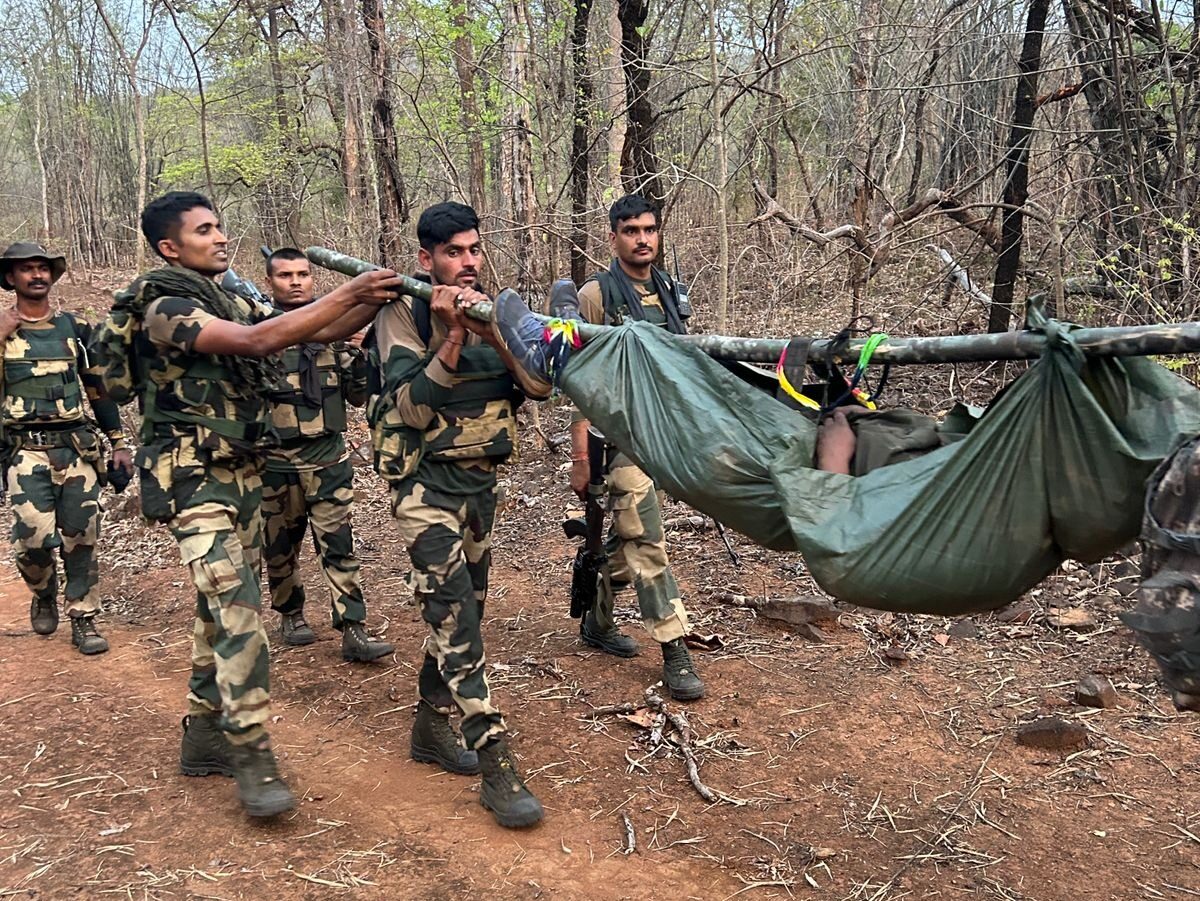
590	558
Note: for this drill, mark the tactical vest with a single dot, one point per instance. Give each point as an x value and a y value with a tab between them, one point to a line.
292	413
616	308
478	422
202	384
54	350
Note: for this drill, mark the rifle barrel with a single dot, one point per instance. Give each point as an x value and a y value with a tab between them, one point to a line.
1122	341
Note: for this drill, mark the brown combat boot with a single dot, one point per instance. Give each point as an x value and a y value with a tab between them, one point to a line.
43	614
680	673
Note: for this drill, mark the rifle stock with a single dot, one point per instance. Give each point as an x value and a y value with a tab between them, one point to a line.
590	558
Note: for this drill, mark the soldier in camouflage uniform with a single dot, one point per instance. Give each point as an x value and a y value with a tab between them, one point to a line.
632	288
51	452
444	421
309	479
200	363
1166	619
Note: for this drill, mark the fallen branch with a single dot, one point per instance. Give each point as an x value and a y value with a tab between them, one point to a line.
958	274
680	724
630	836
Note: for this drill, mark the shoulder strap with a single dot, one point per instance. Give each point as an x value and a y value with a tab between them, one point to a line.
422	319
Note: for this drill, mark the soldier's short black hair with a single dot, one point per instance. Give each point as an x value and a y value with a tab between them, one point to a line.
630	207
284	253
443	221
162	216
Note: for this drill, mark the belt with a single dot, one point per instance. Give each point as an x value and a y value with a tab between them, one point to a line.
47	435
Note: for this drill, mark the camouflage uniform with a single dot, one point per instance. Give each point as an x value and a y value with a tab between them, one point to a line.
53	457
637	548
309	477
1166	618
439	437
199	468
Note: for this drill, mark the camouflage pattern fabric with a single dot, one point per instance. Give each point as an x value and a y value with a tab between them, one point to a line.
439	436
46	376
311	435
637	554
1166	618
55	496
591	304
449	540
426	413
54	458
200	474
219	532
194	394
323	498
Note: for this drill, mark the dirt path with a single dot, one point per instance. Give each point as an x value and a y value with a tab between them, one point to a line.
854	776
93	802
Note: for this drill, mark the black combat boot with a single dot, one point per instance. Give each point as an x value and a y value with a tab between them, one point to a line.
206	751
679	673
433	741
260	789
358	645
85	637
294	630
502	791
43	614
611	641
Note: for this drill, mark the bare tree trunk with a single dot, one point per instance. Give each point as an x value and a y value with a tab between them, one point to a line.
581	83
639	160
862	65
518	156
393	206
1016	183
722	179
282	204
614	96
194	57
130	64
464	64
39	152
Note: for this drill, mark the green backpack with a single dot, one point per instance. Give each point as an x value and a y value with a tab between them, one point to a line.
114	348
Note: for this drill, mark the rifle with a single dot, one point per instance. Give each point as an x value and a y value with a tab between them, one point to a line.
590	558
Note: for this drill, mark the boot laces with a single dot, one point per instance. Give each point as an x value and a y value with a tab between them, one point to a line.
506	767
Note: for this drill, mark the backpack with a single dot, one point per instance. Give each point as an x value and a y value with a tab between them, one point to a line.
114	350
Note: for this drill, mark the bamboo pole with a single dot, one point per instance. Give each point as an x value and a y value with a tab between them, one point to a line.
1127	341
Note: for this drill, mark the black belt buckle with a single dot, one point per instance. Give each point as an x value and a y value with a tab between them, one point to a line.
39	438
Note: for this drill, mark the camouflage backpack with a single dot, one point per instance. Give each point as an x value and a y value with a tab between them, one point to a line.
115	344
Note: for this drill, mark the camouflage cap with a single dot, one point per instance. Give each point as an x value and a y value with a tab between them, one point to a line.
27	250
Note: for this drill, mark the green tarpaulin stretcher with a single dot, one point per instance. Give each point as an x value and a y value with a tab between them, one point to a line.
1054	469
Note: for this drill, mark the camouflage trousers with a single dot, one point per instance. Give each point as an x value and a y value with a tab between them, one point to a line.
449	542
637	553
322	499
1166	618
55	498
219	531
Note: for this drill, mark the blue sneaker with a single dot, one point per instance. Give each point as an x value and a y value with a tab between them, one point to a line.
541	359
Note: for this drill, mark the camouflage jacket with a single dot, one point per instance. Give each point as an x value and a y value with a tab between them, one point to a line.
308	408
447	428
46	376
195	396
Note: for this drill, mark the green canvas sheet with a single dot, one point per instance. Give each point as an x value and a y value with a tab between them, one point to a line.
1055	468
